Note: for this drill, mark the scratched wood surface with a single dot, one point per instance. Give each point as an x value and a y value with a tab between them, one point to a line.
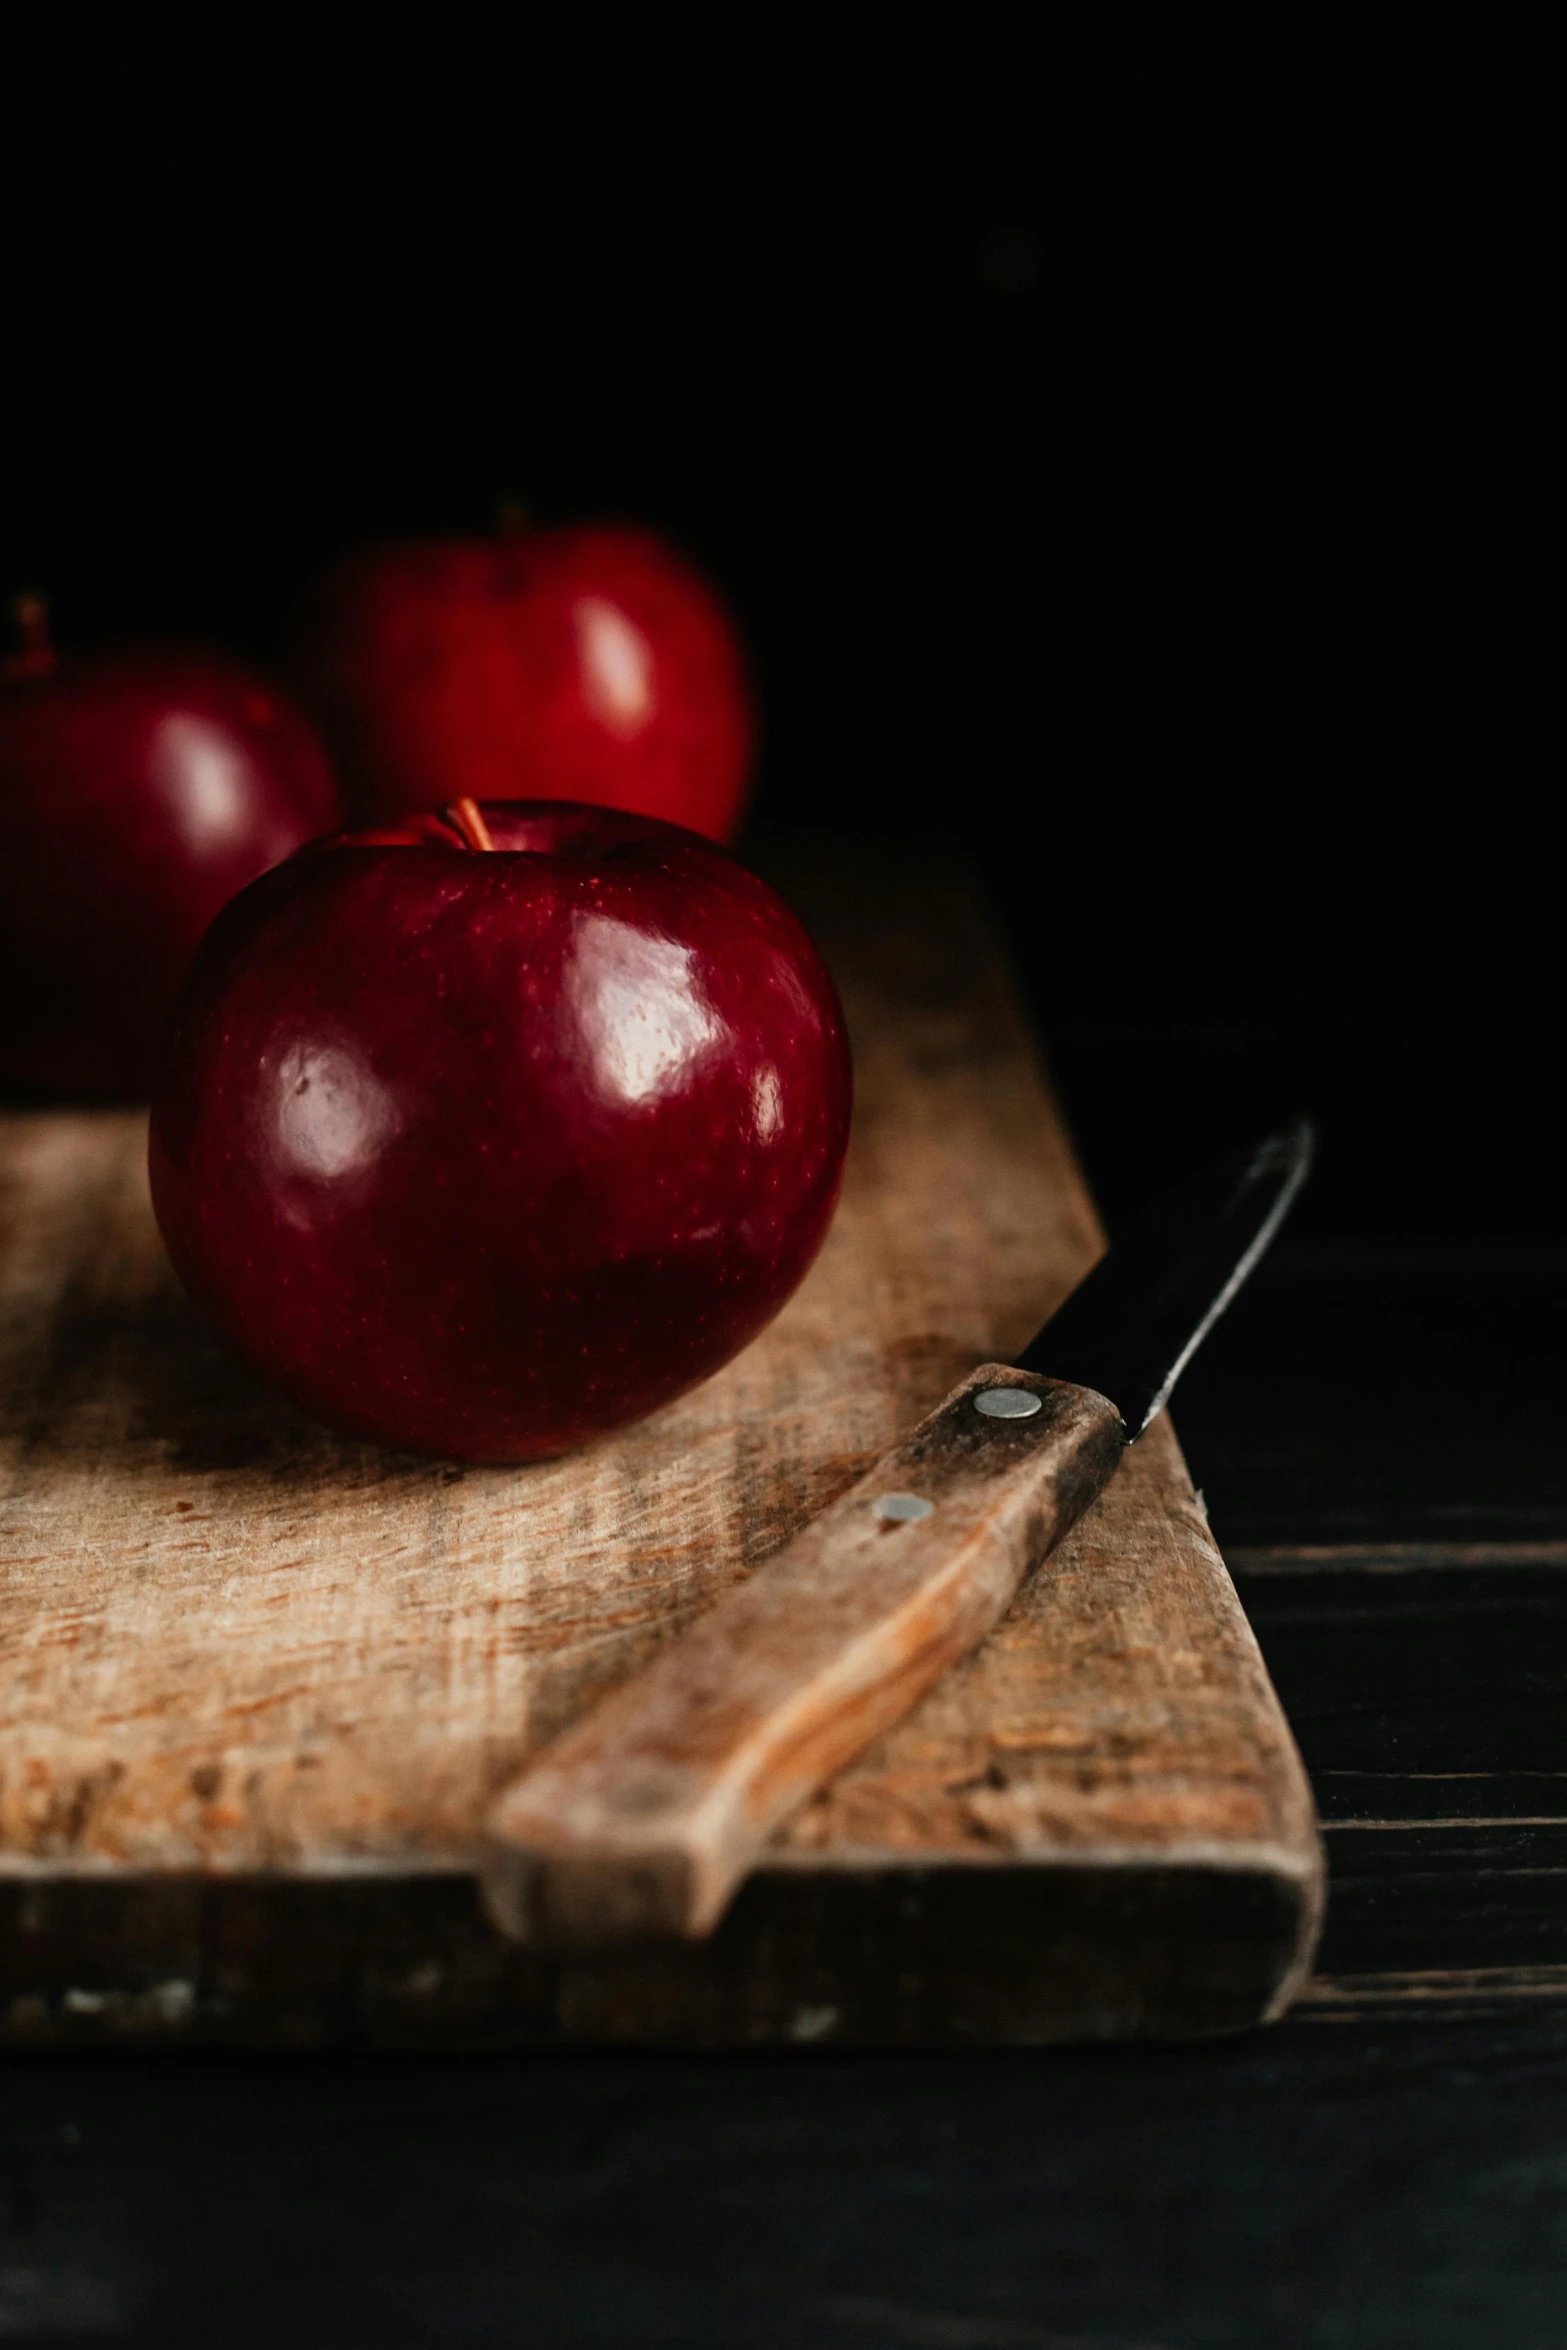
258	1685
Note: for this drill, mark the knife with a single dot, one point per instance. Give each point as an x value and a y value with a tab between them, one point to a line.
642	1820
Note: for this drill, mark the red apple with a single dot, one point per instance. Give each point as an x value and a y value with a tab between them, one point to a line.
138	792
482	1135
584	664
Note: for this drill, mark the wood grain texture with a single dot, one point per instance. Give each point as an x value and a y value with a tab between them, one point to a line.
258	1686
645	1817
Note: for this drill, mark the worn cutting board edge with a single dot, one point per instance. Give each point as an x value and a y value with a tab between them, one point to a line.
956	1955
964	1218
852	1860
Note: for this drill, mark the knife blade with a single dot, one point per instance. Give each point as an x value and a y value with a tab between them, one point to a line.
644	1818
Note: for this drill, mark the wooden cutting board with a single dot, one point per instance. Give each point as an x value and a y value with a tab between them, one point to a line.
258	1685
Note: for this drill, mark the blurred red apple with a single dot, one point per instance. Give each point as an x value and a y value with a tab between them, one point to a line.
584	664
138	792
481	1135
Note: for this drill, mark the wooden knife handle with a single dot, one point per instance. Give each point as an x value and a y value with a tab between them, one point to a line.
643	1819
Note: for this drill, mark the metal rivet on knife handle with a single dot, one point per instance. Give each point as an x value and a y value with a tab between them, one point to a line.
1006	1403
902	1509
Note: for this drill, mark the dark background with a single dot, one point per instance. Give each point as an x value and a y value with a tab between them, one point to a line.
1171	537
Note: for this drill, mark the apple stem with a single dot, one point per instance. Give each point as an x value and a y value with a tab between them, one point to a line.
37	656
466	817
513	517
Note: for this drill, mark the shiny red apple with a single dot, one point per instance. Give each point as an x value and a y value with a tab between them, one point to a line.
138	792
585	664
482	1134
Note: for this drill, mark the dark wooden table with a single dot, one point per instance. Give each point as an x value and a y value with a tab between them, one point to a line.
1378	1429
